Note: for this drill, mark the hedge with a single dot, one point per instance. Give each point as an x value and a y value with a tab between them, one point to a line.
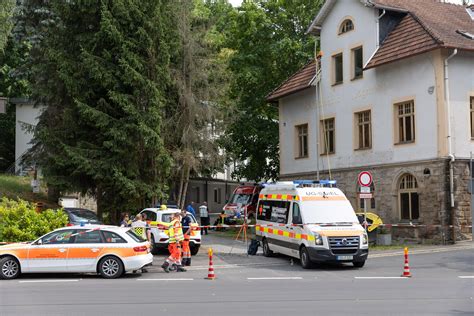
19	221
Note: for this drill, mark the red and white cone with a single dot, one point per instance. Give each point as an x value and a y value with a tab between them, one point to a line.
210	274
406	268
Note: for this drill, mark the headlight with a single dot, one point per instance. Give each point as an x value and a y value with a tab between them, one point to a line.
318	239
365	239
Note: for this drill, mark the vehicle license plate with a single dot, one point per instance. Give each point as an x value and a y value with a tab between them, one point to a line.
345	257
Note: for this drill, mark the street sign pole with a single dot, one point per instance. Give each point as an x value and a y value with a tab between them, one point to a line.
365	214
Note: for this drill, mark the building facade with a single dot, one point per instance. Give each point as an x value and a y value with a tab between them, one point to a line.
392	92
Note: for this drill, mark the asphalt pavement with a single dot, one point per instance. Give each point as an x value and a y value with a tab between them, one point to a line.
442	283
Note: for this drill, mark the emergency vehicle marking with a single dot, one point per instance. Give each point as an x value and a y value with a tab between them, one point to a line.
279	197
283	233
323	198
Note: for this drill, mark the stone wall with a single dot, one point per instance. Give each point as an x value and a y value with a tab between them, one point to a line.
433	189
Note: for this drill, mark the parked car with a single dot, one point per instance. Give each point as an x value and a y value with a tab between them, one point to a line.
159	221
107	250
78	215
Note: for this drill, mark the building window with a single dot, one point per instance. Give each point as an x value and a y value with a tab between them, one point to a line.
371	205
302	141
337	68
357	63
408	198
472	117
328	133
346	26
364	130
405	125
217	195
198	195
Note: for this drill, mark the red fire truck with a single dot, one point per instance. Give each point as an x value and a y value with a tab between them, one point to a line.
245	196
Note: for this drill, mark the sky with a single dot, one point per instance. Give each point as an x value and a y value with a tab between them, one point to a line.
235	3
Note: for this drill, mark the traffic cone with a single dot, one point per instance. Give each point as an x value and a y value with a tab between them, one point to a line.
406	268
210	274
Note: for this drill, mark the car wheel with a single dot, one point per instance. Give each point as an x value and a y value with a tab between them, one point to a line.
9	268
304	258
111	267
194	250
358	264
154	249
266	248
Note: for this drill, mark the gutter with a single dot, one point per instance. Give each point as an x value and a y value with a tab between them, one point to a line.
451	156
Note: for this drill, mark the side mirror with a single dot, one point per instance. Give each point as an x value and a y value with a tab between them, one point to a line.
39	242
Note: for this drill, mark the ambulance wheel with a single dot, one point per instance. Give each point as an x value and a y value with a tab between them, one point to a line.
358	264
304	258
9	268
266	248
110	267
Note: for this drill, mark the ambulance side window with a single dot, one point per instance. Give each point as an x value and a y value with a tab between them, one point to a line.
273	211
264	210
296	214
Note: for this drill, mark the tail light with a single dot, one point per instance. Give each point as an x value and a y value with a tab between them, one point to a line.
140	248
70	224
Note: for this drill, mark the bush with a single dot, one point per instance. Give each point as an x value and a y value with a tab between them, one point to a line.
20	222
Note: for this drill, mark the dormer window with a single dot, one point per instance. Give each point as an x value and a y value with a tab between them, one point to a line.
346	26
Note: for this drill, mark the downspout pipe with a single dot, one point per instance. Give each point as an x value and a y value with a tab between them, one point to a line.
451	156
377	28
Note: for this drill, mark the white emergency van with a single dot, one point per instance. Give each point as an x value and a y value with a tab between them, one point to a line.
310	220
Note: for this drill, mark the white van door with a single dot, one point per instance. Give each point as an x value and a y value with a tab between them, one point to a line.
296	229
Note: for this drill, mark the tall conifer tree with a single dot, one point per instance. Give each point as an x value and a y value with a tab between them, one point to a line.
103	71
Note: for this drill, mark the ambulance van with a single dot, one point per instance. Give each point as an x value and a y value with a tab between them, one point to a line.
310	220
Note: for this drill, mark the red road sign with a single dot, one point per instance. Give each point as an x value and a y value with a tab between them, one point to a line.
365	179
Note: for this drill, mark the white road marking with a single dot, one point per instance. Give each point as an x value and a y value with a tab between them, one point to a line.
277	278
466	276
415	251
230	266
165	279
47	281
369	278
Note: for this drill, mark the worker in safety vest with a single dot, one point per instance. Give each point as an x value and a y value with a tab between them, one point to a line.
186	251
175	238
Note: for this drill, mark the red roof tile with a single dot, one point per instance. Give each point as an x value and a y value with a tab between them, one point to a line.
408	38
300	80
430	24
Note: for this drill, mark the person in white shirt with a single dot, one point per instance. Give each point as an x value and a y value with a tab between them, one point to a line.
204	214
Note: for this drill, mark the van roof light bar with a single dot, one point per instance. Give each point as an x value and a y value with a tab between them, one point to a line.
315	183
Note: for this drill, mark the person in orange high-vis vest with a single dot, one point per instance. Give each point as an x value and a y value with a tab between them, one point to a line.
186	251
175	238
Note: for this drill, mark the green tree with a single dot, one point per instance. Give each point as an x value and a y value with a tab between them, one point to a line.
269	44
6	21
103	68
199	83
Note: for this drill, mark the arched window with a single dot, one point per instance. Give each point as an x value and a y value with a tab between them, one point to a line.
346	26
371	204
408	198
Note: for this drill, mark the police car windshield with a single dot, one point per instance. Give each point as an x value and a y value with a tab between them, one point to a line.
324	212
240	198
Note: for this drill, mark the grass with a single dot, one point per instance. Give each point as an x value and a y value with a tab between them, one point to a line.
15	187
232	232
